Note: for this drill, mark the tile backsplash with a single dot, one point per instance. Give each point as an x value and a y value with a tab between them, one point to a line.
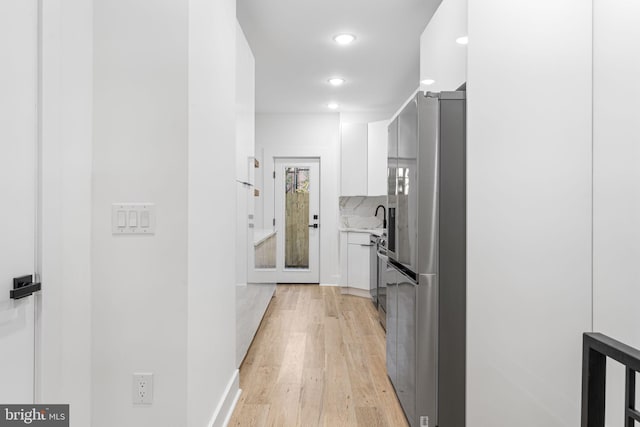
358	211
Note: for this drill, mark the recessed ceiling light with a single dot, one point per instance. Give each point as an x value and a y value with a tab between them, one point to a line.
428	82
344	38
463	40
336	81
332	105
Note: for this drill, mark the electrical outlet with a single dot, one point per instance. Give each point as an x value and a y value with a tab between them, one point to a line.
142	388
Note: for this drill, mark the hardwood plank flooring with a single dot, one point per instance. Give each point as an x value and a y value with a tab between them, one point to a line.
318	359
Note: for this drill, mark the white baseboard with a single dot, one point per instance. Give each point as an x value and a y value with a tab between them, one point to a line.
233	407
227	404
329	284
362	293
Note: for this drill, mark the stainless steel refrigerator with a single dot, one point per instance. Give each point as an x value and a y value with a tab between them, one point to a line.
426	246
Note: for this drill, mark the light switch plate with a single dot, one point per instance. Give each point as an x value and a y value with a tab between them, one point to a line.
143	213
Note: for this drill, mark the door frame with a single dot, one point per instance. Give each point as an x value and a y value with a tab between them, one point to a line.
256	274
292	276
38	207
327	152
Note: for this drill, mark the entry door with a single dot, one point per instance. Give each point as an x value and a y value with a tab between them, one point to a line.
18	148
297	220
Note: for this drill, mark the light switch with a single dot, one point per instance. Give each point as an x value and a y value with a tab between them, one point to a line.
144	219
122	219
133	219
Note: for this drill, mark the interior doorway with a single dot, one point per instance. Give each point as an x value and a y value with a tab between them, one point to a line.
297	219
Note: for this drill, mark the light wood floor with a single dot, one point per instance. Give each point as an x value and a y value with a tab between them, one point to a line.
318	359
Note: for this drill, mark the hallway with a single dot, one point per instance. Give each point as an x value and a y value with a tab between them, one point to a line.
318	359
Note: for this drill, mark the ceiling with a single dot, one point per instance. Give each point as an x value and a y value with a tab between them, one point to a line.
292	41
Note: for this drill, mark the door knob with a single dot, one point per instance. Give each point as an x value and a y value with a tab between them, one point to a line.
23	287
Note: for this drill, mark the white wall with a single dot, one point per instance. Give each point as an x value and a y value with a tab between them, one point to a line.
164	132
252	302
139	319
364	117
252	299
65	339
245	147
245	105
441	58
212	375
529	210
306	135
616	233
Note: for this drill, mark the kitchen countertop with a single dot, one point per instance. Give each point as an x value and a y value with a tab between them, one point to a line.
374	231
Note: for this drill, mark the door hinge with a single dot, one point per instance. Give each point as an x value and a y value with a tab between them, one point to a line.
274	174
274	222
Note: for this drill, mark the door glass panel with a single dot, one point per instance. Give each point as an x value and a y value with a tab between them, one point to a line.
296	217
265	252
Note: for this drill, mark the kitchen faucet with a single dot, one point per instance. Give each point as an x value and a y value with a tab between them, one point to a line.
384	211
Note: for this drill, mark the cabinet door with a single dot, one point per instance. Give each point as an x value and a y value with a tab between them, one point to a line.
344	259
377	159
353	151
390	278
358	270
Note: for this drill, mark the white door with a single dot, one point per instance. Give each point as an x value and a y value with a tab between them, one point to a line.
297	220
18	148
261	240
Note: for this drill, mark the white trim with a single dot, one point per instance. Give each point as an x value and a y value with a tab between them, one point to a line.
312	273
38	205
356	292
233	407
227	404
334	285
328	156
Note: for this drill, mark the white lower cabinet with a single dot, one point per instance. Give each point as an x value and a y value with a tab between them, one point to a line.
355	258
358	266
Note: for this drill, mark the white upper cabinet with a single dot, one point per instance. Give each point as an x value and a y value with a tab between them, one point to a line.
442	58
363	154
353	163
377	158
